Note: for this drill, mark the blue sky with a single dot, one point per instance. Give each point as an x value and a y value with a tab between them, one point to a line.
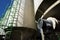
4	4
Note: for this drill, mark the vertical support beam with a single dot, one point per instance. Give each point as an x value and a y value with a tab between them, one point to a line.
29	20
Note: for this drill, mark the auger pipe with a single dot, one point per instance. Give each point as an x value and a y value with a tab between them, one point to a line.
52	6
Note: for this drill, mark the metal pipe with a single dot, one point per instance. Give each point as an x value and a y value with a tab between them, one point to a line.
29	19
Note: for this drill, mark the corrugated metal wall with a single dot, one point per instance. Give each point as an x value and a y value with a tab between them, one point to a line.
14	15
